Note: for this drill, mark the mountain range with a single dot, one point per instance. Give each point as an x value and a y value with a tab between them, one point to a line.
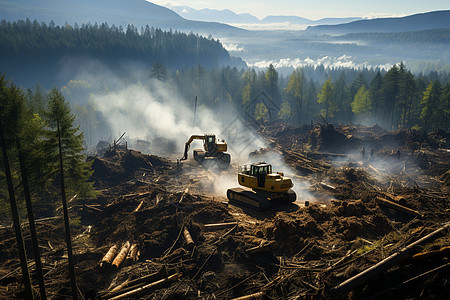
206	21
417	22
229	17
118	12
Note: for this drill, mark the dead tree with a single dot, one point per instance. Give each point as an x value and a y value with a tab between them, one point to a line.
16	221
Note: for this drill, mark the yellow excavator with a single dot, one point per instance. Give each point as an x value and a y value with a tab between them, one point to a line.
213	149
264	186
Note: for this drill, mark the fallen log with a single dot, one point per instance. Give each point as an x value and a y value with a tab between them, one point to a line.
109	256
188	238
122	255
146	287
130	285
132	254
184	194
93	207
255	296
269	246
139	206
398	207
377	296
327	186
218	226
441	252
388	262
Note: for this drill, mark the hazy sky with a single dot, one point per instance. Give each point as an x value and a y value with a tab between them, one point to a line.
316	9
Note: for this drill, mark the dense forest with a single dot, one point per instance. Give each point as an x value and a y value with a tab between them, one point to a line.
393	98
30	45
36	143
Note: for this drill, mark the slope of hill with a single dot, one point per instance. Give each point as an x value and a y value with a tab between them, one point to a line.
213	15
424	21
118	12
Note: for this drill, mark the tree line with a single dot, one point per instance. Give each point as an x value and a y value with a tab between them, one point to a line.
394	99
25	38
31	135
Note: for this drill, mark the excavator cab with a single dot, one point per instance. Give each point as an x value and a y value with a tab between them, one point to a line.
212	149
210	143
260	171
264	185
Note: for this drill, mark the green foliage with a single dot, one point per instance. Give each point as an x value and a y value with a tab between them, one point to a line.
362	103
325	97
295	89
285	111
151	45
261	112
61	121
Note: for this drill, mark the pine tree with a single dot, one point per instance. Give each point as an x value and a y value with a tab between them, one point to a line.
76	170
325	97
362	103
295	90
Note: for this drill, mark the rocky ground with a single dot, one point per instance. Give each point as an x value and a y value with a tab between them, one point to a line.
364	194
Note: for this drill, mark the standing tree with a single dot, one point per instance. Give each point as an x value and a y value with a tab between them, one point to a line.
325	97
362	103
430	102
76	170
295	90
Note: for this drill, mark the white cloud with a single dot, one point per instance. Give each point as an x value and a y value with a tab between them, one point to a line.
343	61
374	15
233	47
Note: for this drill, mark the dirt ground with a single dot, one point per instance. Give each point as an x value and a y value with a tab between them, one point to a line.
337	228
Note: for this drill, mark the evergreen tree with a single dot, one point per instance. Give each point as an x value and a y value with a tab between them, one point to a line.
377	96
362	103
390	93
295	90
325	97
76	170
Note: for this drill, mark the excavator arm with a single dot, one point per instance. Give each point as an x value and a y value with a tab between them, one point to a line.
188	144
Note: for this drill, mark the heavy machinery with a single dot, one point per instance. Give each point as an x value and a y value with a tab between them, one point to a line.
213	149
264	186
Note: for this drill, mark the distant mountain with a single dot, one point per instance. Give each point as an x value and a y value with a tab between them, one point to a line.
230	17
213	15
417	22
334	21
115	12
300	20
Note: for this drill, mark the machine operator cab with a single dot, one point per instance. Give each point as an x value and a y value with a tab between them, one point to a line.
260	176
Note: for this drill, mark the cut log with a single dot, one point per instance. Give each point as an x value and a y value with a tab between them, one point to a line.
93	207
132	254
109	256
130	285
139	206
444	251
218	226
122	255
398	207
184	194
255	296
153	285
188	238
327	186
388	262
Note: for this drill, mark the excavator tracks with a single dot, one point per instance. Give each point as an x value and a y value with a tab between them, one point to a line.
247	198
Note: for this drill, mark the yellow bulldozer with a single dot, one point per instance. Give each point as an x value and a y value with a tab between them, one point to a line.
213	149
262	185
